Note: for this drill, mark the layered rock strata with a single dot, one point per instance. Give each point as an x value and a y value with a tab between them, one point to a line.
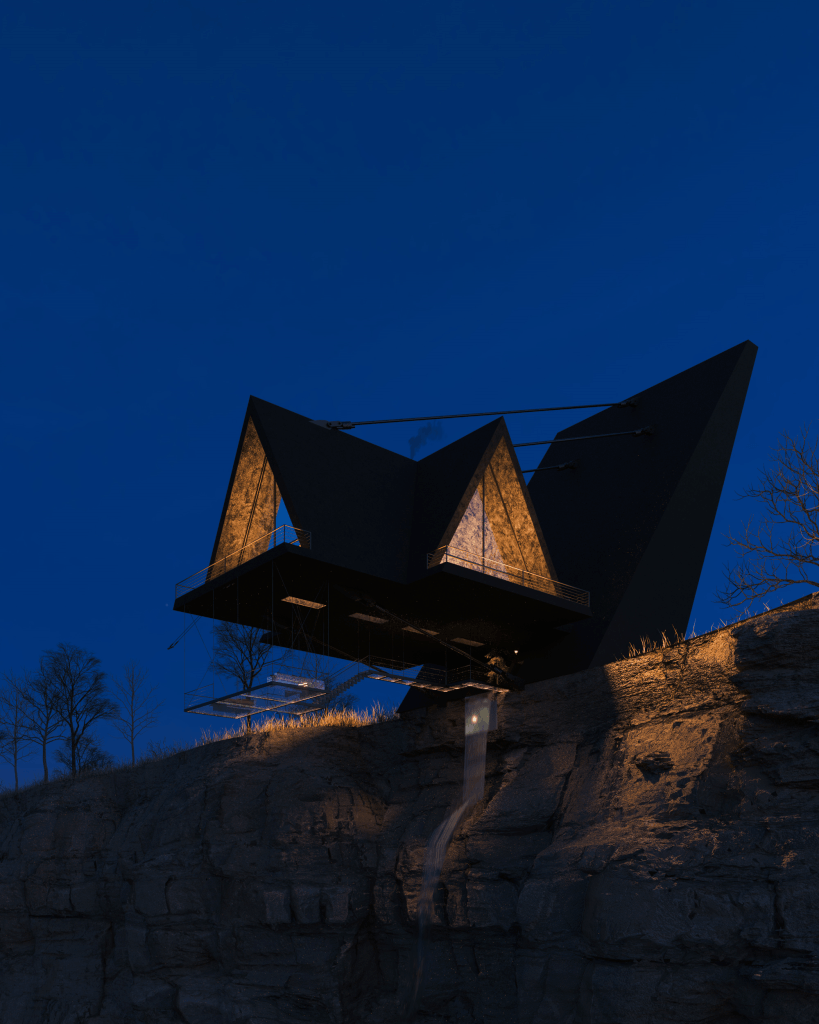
647	851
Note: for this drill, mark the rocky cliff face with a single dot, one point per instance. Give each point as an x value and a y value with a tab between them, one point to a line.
647	852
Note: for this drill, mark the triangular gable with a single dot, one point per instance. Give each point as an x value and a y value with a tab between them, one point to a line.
251	505
495	521
353	497
442	477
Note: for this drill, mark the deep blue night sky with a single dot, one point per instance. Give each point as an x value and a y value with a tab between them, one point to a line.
362	211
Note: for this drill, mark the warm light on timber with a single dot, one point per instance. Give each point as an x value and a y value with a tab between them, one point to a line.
367	618
303	602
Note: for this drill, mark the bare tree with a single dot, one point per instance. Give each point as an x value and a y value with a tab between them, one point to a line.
239	654
88	755
80	694
783	547
137	710
16	740
42	723
346	701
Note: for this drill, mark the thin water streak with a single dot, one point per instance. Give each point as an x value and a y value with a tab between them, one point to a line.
479	717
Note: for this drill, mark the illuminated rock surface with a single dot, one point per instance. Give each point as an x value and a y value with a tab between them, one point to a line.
647	852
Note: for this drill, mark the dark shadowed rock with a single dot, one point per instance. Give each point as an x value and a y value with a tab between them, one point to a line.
647	852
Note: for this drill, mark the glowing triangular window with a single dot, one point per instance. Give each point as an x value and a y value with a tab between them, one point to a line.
496	531
254	517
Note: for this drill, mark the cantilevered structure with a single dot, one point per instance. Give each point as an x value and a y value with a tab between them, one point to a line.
389	563
632	524
452	563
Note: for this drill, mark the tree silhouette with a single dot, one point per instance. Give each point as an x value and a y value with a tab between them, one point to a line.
88	755
15	739
41	721
80	694
137	710
238	653
783	547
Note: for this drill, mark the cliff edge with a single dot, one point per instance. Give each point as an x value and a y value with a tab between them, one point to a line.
647	852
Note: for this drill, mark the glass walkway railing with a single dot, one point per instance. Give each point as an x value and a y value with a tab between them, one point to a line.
504	571
281	535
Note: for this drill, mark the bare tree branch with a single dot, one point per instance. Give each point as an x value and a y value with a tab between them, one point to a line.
41	721
16	740
137	710
88	755
239	653
783	547
80	695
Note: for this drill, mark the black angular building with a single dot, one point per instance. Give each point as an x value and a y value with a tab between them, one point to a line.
451	562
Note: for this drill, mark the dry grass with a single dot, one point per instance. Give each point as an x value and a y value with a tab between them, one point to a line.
343	717
648	646
157	751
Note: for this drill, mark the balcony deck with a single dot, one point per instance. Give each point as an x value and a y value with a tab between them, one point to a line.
475	606
503	571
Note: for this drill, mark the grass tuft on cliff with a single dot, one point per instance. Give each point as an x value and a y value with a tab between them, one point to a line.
329	717
340	717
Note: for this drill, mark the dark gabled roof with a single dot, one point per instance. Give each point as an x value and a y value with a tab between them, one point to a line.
631	524
366	508
354	497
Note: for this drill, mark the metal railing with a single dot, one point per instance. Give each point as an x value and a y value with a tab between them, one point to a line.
284	534
503	571
299	692
283	684
272	695
284	692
